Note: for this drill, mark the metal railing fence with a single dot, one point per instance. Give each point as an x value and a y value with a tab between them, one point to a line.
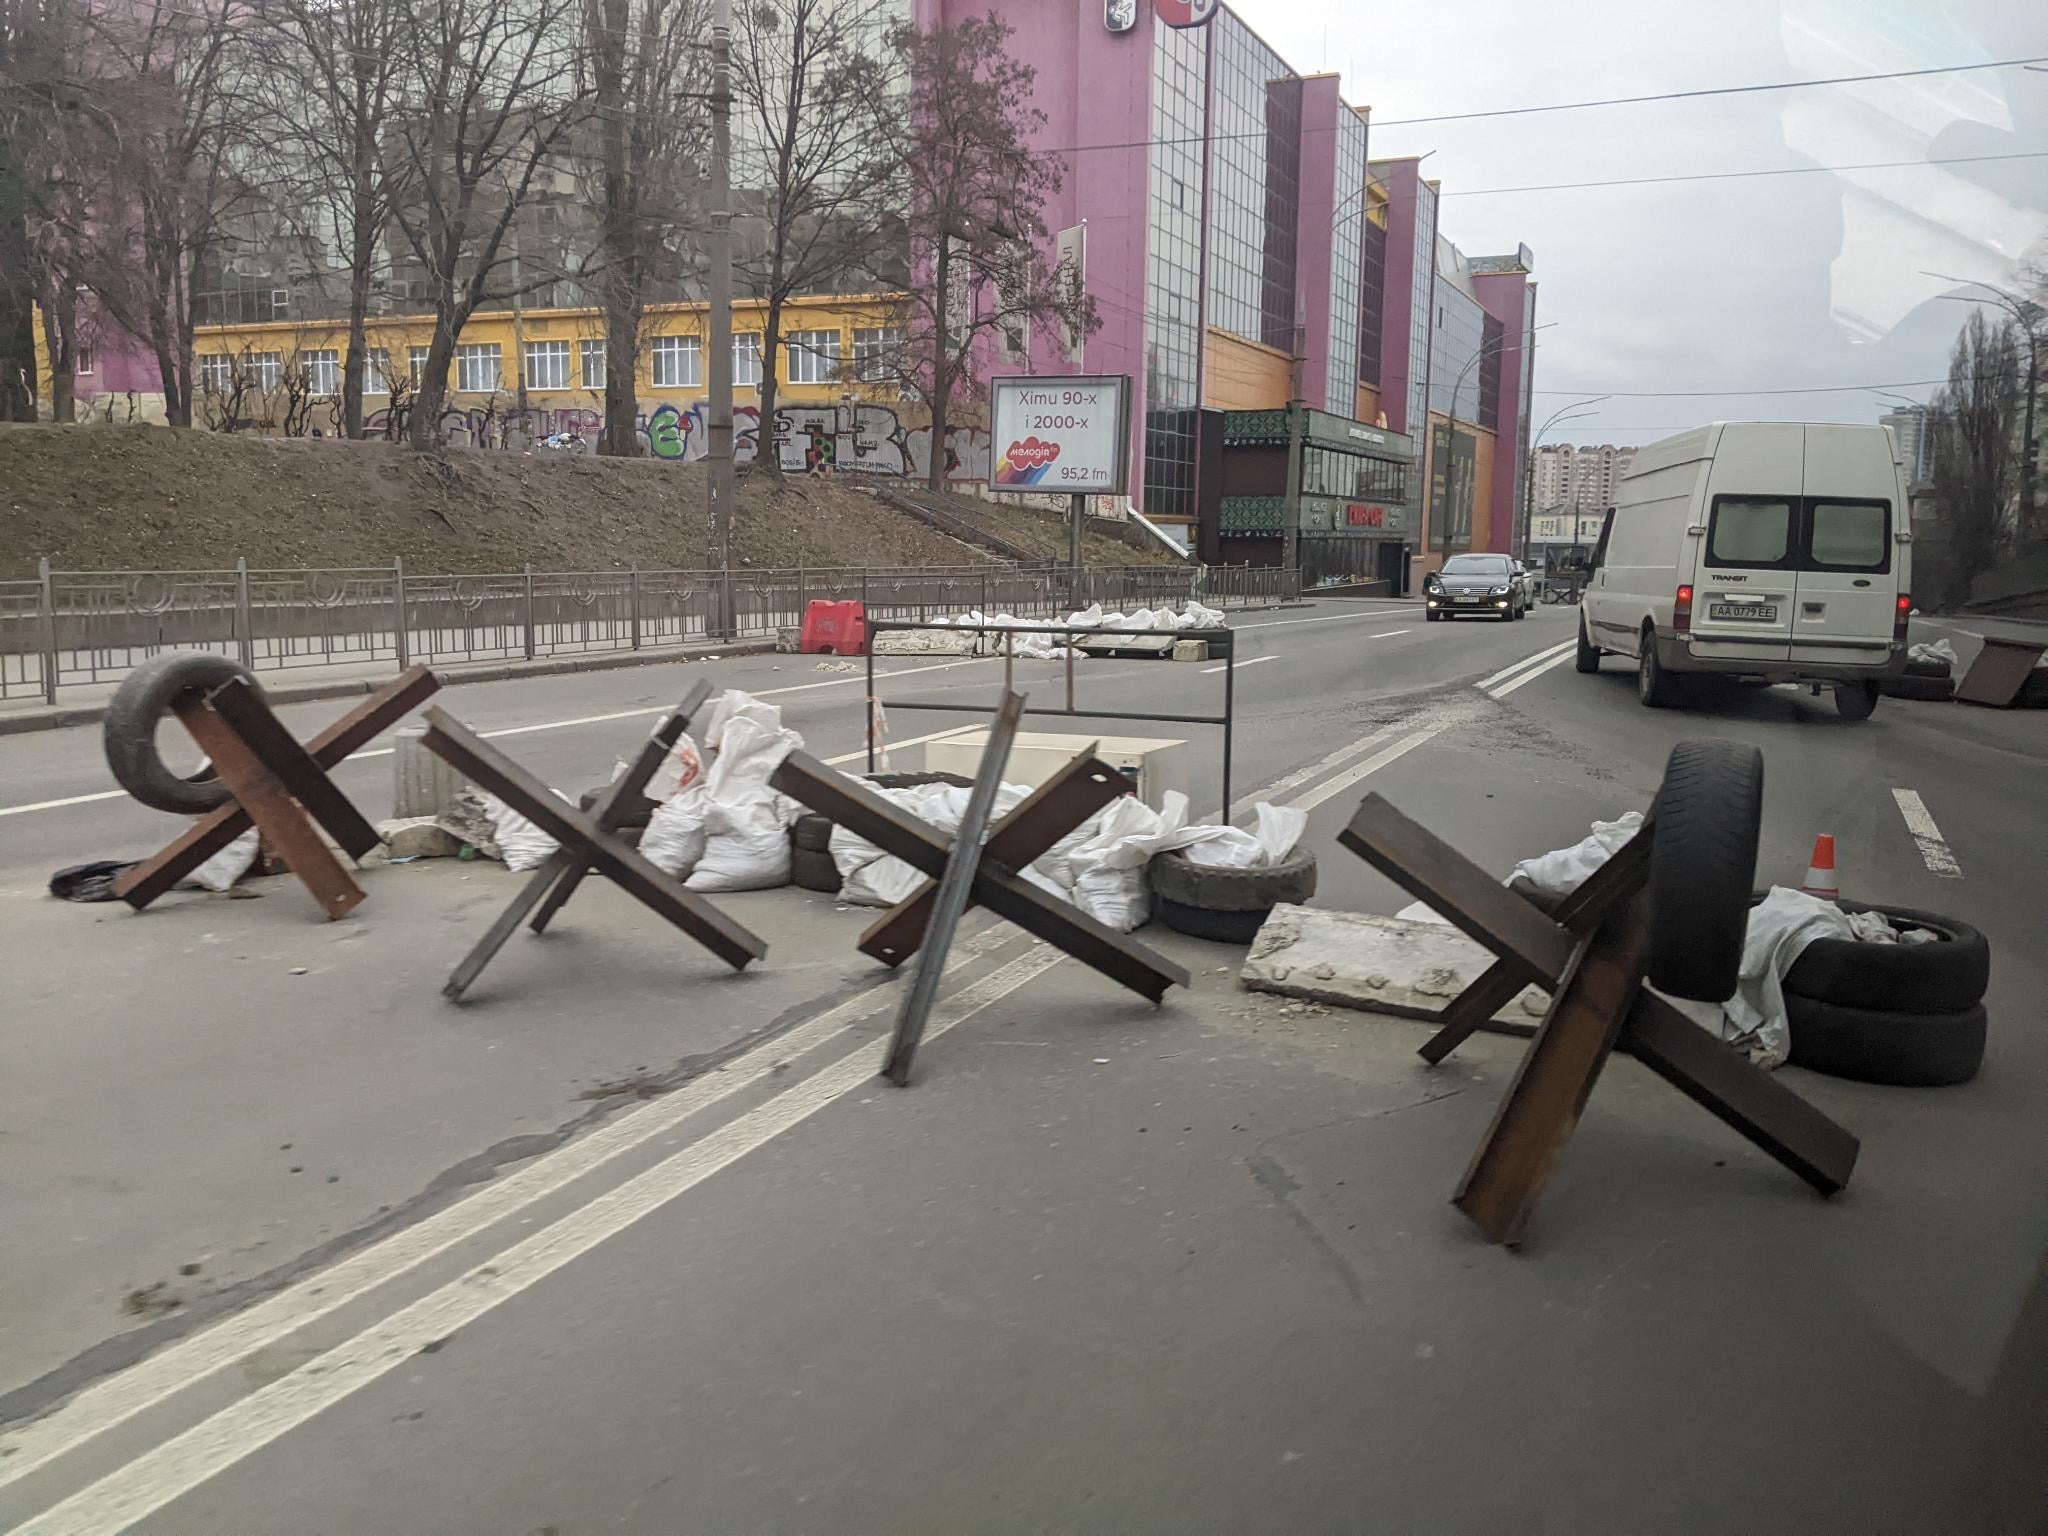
72	628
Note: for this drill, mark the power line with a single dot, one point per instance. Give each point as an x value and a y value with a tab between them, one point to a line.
1788	170
1708	394
1717	90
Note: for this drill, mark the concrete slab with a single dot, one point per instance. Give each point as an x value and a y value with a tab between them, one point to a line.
1381	964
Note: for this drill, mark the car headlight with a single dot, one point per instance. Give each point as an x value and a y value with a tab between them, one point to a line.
1500	591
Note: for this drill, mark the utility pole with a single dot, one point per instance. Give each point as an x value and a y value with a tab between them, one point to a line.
718	456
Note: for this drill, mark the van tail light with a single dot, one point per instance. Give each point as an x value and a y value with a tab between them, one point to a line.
1900	615
1681	610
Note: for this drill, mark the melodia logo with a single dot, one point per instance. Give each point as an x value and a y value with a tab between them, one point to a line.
1032	453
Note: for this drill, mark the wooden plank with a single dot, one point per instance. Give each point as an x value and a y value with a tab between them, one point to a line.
1542	1105
1431	870
953	888
1049	813
618	797
293	766
1723	1082
2000	669
493	771
271	808
213	832
1582	909
857	807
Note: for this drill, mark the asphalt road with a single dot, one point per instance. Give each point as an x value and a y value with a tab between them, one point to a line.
630	1244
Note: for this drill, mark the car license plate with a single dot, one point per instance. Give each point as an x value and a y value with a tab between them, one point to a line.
1465	599
1744	613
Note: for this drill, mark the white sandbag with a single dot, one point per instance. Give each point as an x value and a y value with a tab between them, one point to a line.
220	872
746	848
681	767
1563	870
1279	828
523	844
674	840
746	824
870	878
1109	869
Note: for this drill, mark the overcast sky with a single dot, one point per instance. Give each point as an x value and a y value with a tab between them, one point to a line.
1734	285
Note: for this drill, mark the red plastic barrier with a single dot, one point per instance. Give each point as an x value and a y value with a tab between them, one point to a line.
836	628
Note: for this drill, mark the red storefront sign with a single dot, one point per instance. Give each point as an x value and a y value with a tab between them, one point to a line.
1365	517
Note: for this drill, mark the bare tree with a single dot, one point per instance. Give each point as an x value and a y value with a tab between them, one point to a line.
40	94
339	65
174	83
492	88
639	62
976	192
1975	448
818	91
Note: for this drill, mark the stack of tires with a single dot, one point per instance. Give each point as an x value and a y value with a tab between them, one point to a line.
810	835
1228	905
1929	681
1911	1015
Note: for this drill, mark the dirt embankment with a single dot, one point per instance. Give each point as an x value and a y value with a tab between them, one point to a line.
148	498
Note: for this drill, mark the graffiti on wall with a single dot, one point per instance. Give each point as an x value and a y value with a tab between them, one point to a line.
809	439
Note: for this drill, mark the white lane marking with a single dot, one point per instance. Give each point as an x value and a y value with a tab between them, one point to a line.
1934	849
1249	661
895	746
142	1487
1388	634
1531	675
1310	799
1527	661
1329	618
546	725
105	1404
1315	770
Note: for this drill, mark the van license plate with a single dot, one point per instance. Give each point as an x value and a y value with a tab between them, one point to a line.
1749	613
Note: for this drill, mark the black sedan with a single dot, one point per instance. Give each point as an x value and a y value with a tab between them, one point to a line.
1475	585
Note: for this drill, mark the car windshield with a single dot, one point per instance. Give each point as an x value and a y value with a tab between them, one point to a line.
1475	565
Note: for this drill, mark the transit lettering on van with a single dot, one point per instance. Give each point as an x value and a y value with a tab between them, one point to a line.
1777	552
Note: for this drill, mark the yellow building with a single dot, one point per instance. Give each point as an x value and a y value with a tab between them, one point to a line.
520	378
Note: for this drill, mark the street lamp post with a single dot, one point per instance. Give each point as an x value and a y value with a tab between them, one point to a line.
1558	417
1451	422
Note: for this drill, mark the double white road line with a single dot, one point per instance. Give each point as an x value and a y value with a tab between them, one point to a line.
1528	669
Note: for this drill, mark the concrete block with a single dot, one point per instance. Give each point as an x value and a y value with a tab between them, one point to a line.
787	639
418	837
424	785
1190	650
1381	964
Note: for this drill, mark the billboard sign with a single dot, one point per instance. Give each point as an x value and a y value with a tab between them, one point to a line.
1186	13
1063	433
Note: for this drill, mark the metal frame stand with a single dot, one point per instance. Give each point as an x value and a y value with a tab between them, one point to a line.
588	843
279	786
558	878
967	871
1591	955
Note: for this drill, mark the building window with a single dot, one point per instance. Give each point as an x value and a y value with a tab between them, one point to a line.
265	369
593	364
1173	268
678	362
746	360
1372	291
82	359
479	368
1492	342
322	370
216	373
377	372
813	357
875	352
547	365
416	364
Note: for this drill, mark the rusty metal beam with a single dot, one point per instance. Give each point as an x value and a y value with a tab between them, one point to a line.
214	831
1430	869
625	867
1049	813
236	702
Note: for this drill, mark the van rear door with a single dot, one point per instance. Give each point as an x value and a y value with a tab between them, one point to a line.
1848	587
1744	586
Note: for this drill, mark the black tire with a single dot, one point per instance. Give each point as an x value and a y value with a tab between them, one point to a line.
1923	689
1702	862
1928	669
129	734
1209	923
1293	879
814	871
2033	692
1855	701
811	833
1654	686
1588	658
1904	1050
1944	977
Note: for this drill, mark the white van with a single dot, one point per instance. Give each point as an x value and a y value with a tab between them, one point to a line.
1775	551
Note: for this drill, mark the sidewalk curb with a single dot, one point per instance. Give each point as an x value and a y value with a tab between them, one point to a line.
57	717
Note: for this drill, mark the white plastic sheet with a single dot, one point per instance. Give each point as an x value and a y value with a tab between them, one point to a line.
1780	928
1279	829
523	845
220	872
1564	870
1937	650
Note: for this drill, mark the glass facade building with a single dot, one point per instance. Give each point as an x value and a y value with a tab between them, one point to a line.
1421	309
1173	269
1348	225
1255	200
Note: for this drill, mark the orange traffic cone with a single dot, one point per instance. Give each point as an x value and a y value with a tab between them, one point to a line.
1820	874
